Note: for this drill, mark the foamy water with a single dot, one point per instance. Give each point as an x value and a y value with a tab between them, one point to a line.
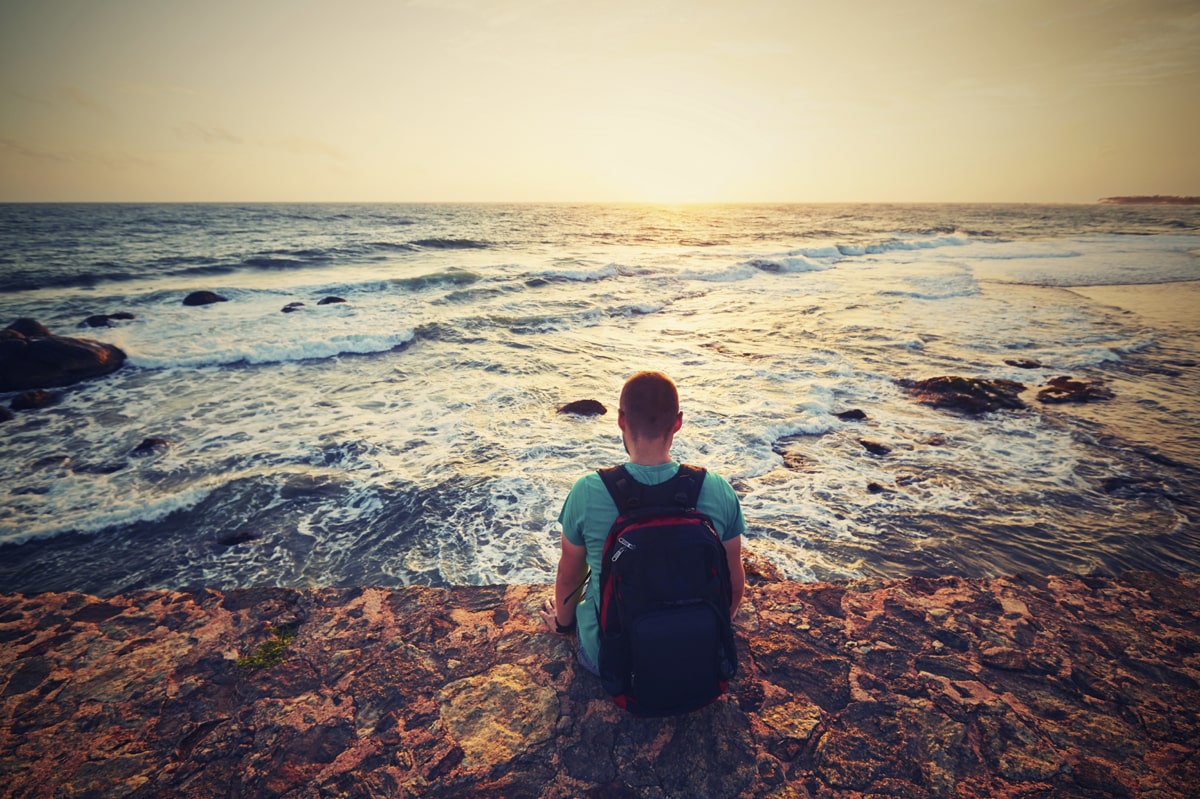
409	434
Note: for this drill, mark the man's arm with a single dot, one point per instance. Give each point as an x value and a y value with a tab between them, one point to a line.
737	572
568	586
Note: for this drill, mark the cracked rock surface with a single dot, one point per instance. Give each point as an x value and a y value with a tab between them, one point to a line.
1030	686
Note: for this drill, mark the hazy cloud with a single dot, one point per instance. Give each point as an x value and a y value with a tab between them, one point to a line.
208	134
22	149
115	160
86	102
300	145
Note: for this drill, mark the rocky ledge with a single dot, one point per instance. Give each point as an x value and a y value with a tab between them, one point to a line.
1029	686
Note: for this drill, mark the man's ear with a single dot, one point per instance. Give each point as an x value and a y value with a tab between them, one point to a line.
621	420
678	422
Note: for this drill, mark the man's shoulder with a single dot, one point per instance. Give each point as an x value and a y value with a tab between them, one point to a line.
716	480
587	480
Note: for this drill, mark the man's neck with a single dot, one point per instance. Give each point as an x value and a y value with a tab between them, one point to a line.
648	453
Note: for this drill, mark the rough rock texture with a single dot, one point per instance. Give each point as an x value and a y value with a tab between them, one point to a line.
1067	389
1040	687
967	394
33	357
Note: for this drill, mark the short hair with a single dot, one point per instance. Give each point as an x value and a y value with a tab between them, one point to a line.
650	404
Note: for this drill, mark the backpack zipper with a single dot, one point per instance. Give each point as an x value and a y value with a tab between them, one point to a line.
624	545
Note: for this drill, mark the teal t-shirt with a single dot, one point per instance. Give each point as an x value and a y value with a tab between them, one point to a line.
589	512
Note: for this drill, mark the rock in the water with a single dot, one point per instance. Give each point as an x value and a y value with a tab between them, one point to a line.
1023	363
330	301
30	328
874	447
238	537
150	446
5	414
32	357
203	298
1066	389
34	399
106	319
852	415
967	394
291	307
586	407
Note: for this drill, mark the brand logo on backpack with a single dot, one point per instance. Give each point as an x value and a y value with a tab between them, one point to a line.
666	644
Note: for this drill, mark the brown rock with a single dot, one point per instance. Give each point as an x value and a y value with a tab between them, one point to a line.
33	399
31	357
874	447
1066	389
587	407
967	394
926	687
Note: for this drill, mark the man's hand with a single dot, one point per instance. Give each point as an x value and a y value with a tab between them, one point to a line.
550	616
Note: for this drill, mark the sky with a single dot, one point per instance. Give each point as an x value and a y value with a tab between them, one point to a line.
669	101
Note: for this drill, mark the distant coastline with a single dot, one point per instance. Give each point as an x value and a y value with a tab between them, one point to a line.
1155	199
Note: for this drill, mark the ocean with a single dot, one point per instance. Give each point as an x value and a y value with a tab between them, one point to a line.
410	434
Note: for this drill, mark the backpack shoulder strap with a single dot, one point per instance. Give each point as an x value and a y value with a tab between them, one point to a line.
621	487
689	480
682	490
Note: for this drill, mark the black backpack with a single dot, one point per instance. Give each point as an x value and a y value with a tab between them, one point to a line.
666	644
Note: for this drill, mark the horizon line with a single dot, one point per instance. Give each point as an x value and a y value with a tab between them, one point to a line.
1110	200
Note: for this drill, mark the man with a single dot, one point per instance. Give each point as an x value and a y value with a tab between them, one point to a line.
649	417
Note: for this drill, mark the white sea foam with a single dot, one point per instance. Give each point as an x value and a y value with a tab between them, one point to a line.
444	460
254	330
789	264
1088	261
585	275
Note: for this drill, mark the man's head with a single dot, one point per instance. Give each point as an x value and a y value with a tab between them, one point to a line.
649	407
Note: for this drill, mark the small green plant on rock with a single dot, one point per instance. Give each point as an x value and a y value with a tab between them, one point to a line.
270	652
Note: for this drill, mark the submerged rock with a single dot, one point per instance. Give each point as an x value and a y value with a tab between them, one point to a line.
329	301
32	357
1023	363
203	298
586	407
874	447
852	415
292	307
967	394
34	399
925	687
151	446
106	319
238	537
1067	389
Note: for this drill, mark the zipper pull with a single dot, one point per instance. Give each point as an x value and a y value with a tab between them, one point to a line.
624	545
